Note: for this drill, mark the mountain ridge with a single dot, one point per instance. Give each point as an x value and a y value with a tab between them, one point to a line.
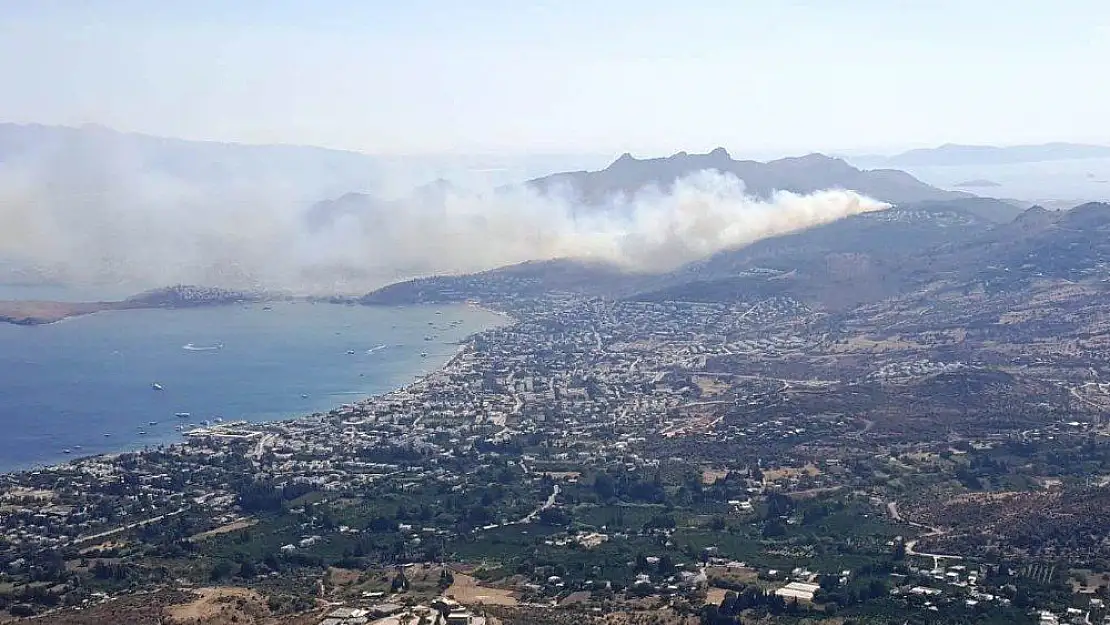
628	175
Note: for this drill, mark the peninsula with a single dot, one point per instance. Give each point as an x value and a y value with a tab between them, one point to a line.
27	312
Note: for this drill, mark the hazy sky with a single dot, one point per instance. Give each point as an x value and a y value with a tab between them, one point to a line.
650	76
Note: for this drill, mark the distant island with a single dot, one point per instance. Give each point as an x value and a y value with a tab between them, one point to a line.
24	312
977	183
951	155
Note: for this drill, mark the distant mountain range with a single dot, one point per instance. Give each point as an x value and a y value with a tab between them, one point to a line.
88	154
372	209
978	183
838	264
627	176
804	174
963	155
93	155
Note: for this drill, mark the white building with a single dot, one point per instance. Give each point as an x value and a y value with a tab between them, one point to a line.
798	590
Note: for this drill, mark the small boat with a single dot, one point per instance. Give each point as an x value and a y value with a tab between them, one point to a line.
77	447
192	347
304	395
351	352
156	386
182	415
439	312
65	451
106	435
142	432
152	423
267	308
427	338
423	354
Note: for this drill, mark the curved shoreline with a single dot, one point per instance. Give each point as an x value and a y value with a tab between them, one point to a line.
463	344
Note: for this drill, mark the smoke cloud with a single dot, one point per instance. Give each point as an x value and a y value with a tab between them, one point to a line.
119	224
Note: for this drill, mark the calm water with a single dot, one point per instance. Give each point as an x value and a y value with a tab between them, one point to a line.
1075	181
68	384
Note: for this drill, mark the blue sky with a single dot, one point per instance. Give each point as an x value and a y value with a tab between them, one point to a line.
651	77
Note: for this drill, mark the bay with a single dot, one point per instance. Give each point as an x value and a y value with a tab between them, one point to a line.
86	384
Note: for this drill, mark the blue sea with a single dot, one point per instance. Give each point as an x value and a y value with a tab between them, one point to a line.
86	384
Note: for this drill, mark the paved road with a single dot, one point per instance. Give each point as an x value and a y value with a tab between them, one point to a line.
532	516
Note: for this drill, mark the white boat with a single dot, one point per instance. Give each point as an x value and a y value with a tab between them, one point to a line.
182	415
156	386
202	348
423	354
65	451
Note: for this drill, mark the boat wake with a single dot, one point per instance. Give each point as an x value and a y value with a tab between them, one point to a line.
202	348
376	348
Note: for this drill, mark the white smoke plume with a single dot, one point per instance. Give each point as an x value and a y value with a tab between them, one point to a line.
142	229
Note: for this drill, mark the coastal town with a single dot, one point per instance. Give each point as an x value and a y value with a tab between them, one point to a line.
688	459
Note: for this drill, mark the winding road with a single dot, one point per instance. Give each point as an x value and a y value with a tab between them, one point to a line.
892	509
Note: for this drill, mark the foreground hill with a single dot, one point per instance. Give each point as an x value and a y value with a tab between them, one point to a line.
532	279
855	260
